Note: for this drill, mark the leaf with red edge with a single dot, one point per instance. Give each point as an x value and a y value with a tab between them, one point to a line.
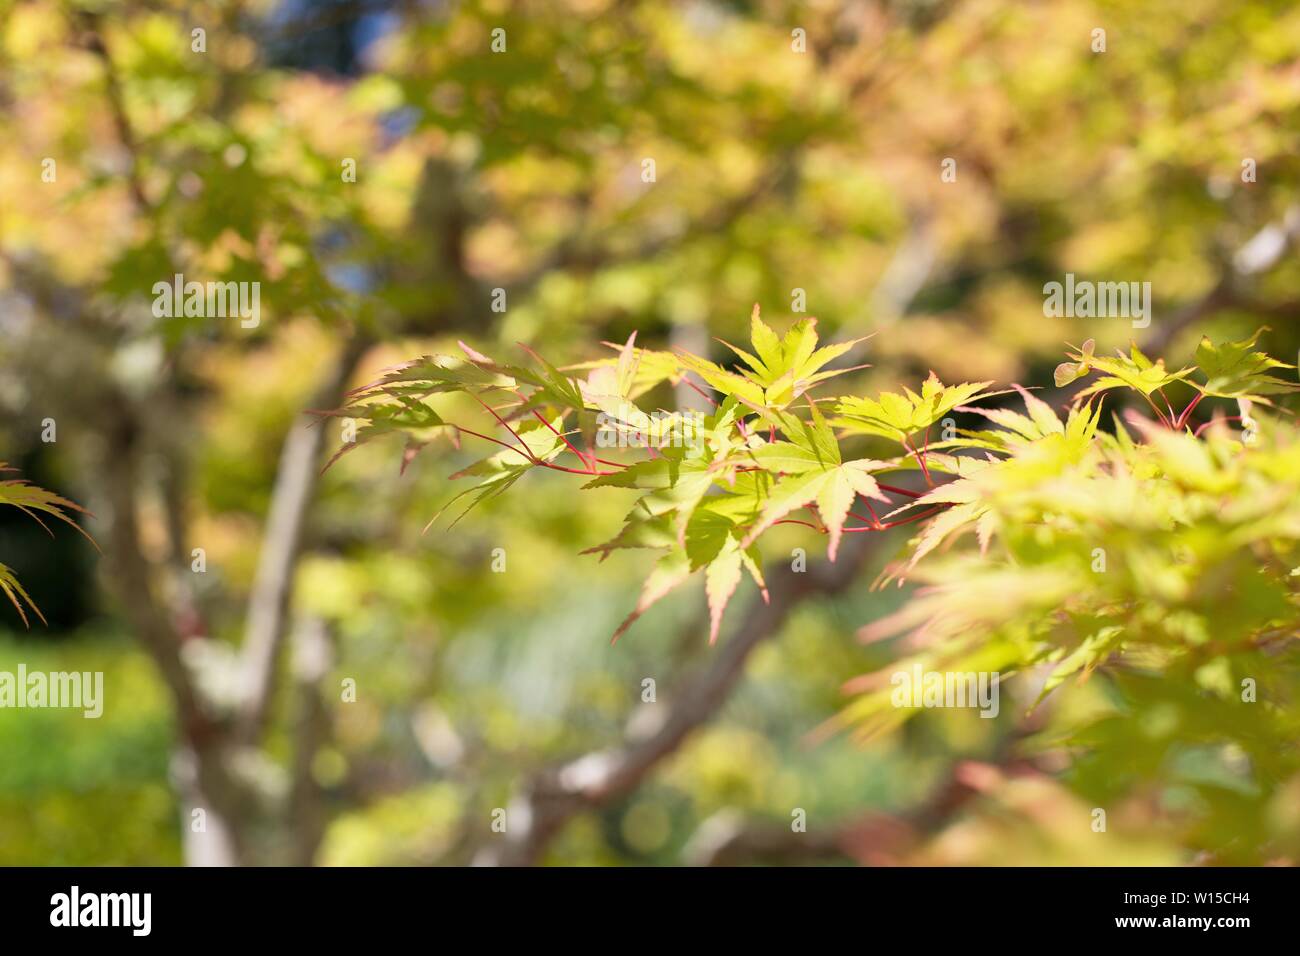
720	580
671	570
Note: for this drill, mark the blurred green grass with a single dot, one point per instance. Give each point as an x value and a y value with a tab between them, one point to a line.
80	791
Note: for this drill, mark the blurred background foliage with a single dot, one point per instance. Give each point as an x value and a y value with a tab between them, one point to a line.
797	149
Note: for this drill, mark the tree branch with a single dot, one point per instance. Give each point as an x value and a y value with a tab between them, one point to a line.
875	838
117	110
295	484
312	655
554	796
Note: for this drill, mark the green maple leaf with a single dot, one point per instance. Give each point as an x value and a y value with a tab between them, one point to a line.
1040	423
670	571
431	374
501	470
1235	370
405	415
897	417
782	370
720	580
1083	659
728	383
1134	371
17	596
813	437
653	533
650	368
833	489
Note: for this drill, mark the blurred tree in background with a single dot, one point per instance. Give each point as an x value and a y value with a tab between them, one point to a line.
397	176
